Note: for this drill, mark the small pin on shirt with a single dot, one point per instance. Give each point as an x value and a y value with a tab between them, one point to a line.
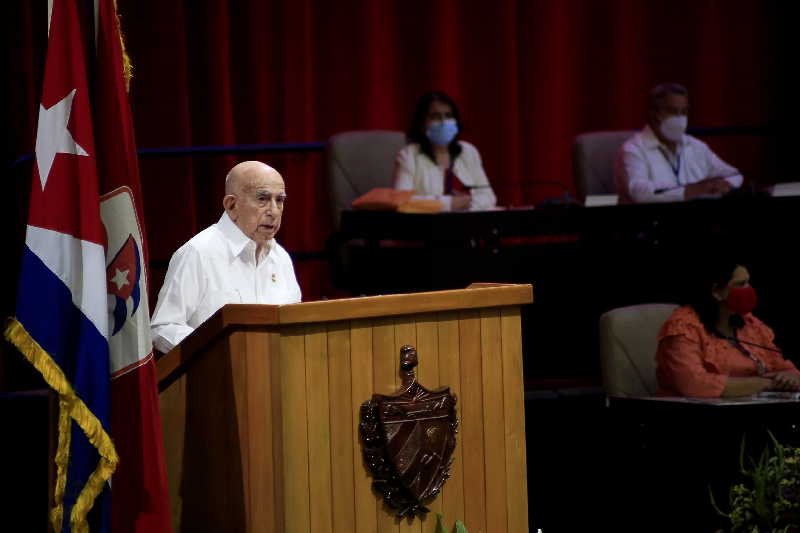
274	278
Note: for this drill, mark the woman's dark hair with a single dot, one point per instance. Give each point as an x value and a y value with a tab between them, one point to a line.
715	274
416	129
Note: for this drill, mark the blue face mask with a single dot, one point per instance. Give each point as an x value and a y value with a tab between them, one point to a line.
443	132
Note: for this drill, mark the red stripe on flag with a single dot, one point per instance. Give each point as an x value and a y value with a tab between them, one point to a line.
140	502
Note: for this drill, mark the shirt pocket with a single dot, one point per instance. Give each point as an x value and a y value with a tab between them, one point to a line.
276	293
213	301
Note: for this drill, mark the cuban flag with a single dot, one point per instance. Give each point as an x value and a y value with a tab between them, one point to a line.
82	316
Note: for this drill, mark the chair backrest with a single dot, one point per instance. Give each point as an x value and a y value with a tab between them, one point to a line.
357	162
593	157
628	348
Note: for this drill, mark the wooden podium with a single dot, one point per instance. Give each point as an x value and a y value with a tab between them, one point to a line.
260	410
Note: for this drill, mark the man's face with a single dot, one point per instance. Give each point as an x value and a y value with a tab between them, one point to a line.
671	104
256	206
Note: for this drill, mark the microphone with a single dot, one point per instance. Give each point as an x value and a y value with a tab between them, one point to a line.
737	322
566	200
734	339
740	341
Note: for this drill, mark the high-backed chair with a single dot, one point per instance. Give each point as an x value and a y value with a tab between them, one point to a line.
593	157
358	161
628	348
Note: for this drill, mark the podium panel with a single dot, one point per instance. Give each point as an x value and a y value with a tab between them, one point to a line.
260	408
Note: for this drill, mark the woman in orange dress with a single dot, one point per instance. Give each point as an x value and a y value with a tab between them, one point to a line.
715	347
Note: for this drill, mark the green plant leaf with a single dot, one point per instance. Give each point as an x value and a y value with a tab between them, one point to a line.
714	503
742	447
439	525
460	527
768	501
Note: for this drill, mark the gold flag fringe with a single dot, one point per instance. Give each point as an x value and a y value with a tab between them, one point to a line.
70	408
127	65
62	461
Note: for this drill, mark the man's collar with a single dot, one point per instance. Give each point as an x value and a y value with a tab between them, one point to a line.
238	242
651	141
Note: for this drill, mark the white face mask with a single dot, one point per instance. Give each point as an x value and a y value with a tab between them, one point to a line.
673	127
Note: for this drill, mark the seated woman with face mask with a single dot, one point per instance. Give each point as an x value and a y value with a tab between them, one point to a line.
715	347
436	164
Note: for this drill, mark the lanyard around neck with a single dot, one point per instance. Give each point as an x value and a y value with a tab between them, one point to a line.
760	366
676	168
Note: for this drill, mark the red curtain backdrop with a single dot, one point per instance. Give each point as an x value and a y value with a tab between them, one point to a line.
528	76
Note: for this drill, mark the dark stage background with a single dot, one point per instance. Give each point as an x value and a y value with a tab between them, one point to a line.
528	75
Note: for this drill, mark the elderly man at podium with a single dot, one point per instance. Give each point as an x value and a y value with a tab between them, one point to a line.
237	260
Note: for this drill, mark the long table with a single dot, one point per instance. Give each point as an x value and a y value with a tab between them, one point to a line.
582	262
624	221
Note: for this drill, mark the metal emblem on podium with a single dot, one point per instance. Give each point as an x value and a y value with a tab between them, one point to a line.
408	439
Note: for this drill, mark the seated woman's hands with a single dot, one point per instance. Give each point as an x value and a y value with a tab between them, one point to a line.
461	202
785	380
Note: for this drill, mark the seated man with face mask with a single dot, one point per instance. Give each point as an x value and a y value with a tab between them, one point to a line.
663	164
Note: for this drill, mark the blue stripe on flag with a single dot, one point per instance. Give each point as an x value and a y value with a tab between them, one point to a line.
45	309
83	459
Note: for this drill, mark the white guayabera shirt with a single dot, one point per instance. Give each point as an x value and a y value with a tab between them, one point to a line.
645	171
217	267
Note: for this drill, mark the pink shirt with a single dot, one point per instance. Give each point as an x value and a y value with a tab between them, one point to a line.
690	361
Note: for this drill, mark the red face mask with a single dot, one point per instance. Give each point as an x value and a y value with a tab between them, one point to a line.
741	300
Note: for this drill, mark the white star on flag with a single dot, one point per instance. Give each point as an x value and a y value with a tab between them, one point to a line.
120	279
53	137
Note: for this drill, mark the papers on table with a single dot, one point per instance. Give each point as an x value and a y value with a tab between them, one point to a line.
597	200
786	189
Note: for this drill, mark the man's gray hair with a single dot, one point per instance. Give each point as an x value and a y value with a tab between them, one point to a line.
661	90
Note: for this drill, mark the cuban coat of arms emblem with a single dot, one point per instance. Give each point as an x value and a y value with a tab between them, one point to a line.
408	440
